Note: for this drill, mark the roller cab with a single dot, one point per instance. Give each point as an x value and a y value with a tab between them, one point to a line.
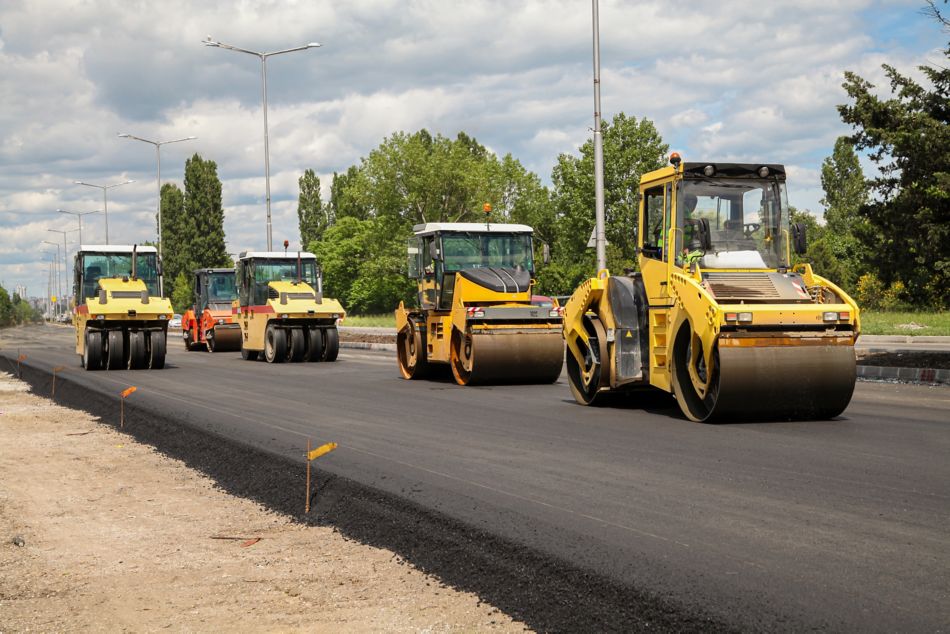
120	318
281	311
717	314
474	310
209	324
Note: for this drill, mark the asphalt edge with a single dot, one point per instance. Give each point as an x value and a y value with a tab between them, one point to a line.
546	593
922	376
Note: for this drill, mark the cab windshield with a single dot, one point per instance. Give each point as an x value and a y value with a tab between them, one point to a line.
285	270
748	223
221	288
476	250
97	266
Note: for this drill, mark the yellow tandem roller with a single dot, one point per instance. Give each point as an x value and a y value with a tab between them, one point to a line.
717	315
476	312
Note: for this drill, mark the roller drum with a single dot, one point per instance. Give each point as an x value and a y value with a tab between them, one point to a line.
226	339
805	382
510	356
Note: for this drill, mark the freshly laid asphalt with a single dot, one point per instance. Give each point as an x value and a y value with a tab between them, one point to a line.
840	525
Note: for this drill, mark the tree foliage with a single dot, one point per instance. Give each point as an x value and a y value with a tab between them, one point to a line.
908	218
846	191
193	224
632	147
182	296
312	215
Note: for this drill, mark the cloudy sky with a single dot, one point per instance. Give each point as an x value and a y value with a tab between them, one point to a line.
732	80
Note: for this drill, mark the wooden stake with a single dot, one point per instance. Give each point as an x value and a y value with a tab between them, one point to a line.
122	413
307	505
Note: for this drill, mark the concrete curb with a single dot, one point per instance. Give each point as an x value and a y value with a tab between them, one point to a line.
362	345
927	376
903	339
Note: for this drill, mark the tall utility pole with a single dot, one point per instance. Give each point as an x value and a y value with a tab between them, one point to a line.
55	273
105	199
79	215
65	262
263	57
601	234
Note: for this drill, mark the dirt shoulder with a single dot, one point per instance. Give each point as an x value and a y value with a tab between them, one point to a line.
98	531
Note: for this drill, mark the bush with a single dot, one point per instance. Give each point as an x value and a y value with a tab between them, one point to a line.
870	292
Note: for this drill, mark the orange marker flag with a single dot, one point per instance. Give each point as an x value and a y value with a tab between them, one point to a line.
128	391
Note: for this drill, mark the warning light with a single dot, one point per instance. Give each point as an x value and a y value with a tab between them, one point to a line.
486	208
675	159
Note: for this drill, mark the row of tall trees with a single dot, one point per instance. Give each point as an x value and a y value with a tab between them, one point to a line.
192	229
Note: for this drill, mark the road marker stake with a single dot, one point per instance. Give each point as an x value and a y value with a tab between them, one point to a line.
20	358
124	394
55	370
313	454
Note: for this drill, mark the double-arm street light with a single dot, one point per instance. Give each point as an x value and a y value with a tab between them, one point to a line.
263	57
105	200
79	215
158	156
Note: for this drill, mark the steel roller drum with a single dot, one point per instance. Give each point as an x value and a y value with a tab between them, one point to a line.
227	339
783	382
509	356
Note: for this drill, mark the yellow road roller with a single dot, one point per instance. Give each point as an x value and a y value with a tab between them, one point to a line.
281	309
717	314
474	307
120	317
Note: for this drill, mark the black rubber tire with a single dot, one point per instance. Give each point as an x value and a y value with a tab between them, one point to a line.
209	341
188	339
331	338
296	345
156	349
249	355
137	351
314	350
92	357
115	350
587	394
275	344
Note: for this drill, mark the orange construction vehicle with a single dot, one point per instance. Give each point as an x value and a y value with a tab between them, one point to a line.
209	323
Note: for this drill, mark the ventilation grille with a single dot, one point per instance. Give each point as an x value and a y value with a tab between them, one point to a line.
749	287
299	295
126	294
272	293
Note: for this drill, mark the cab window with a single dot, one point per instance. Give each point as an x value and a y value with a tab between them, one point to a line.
654	230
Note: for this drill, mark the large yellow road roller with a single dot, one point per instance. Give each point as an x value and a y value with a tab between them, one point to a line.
282	311
475	310
120	318
717	314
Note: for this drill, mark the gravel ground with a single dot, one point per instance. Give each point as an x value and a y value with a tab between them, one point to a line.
100	532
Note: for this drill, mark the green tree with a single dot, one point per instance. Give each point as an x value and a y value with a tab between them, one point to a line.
183	295
312	215
908	218
176	236
203	208
631	148
846	191
6	309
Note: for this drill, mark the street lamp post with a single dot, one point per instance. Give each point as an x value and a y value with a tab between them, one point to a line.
105	201
263	57
158	157
600	239
65	256
79	215
58	283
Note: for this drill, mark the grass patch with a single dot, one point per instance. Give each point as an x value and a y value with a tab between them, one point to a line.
386	320
905	323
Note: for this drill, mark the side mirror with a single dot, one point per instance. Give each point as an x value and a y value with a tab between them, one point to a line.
546	253
434	250
799	240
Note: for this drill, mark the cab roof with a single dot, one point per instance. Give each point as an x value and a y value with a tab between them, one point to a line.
277	255
214	270
116	248
472	227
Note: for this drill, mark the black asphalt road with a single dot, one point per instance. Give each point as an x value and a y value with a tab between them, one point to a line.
841	525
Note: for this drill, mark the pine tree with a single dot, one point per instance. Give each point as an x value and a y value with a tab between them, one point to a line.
176	236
